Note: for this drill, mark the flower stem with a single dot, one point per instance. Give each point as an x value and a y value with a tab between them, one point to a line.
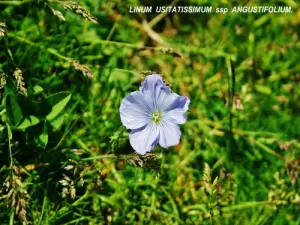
14	2
231	87
9	133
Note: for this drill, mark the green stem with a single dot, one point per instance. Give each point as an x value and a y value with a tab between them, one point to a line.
2	112
14	2
60	56
3	197
159	17
231	87
260	203
9	143
128	45
107	156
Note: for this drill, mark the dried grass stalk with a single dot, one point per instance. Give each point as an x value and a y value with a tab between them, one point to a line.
85	69
17	196
2	31
75	7
58	14
20	81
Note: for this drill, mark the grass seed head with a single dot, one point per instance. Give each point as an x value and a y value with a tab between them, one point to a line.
20	81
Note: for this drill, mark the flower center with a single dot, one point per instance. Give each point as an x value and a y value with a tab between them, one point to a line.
156	117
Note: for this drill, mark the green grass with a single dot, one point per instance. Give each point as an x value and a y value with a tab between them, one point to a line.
238	159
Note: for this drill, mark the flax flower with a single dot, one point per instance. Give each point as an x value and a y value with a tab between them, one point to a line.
153	115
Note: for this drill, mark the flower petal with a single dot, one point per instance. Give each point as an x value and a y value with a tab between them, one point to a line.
177	101
151	82
173	101
135	111
177	116
154	90
169	134
143	140
175	112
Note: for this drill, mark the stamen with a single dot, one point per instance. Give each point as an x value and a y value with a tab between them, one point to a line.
156	117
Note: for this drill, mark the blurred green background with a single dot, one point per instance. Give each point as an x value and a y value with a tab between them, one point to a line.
64	156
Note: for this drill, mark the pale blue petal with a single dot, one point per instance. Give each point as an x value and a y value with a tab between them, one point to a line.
166	101
169	134
176	102
135	111
177	116
186	105
173	101
154	90
151	82
143	140
176	111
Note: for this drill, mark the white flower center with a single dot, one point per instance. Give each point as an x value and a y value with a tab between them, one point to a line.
156	117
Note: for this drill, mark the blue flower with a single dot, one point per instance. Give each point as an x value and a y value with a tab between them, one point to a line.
153	114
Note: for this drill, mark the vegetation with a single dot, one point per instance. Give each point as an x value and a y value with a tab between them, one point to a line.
65	157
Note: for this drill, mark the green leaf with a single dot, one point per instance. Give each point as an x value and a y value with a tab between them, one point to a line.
57	122
263	89
41	135
37	89
13	109
28	122
9	131
58	102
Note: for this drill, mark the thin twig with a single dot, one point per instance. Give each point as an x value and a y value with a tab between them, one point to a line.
159	17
